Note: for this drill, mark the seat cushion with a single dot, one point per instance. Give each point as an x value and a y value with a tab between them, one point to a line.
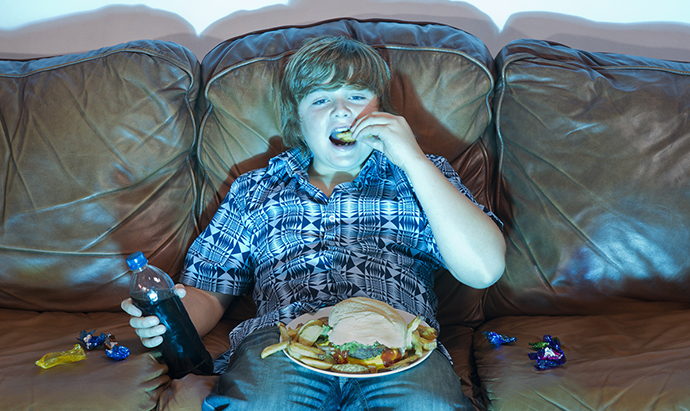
97	383
634	361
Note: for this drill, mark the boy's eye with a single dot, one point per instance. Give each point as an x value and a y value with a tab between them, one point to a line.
319	101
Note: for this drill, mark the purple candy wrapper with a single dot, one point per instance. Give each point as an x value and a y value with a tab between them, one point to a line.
498	339
549	354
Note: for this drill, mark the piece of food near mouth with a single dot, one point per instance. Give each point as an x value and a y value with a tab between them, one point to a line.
360	336
343	138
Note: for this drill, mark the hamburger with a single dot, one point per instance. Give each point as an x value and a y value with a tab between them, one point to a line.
368	332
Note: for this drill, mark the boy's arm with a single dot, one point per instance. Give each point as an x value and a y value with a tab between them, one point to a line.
471	244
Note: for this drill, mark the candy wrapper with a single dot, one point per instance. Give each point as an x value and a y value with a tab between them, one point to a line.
498	339
90	341
114	350
63	357
549	354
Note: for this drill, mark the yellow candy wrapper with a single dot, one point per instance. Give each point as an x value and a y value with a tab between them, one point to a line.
63	357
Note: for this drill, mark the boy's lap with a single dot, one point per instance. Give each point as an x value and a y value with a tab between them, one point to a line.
276	382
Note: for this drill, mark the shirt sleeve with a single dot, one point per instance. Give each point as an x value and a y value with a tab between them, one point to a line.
219	259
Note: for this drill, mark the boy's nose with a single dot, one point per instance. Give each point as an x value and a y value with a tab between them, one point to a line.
341	108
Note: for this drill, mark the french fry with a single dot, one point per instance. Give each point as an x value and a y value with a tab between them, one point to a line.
324	364
404	362
426	344
310	332
293	332
351	368
284	334
272	349
428	333
412	326
298	351
417	344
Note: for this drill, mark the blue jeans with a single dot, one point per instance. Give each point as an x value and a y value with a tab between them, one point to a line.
277	383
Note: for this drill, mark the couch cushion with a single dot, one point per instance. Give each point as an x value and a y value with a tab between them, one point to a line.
442	84
92	384
95	158
595	177
634	361
97	383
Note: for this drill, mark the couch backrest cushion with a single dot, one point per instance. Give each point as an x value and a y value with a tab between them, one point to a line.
95	157
596	173
442	84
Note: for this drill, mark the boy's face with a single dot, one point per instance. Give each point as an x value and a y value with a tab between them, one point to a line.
324	113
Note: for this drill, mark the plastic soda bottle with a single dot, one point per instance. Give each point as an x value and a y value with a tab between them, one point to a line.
153	292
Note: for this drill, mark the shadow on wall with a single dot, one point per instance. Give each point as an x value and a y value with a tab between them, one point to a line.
118	24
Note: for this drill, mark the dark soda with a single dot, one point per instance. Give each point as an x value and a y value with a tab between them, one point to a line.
182	347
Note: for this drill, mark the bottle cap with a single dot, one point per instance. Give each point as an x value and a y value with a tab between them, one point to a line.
136	260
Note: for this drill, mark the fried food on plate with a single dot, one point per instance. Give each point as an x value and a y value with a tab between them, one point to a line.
360	336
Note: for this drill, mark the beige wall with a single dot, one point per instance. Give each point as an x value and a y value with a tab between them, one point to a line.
117	24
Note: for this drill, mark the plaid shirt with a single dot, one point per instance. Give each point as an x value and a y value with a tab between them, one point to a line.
297	250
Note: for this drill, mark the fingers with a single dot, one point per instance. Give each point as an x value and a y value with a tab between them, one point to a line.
129	307
391	135
180	290
152	342
383	127
149	329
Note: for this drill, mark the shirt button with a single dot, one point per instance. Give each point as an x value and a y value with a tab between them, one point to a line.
331	219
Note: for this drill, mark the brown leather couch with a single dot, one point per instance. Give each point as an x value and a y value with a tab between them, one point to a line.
585	157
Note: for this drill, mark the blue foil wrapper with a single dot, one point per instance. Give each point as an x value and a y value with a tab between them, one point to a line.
549	353
112	348
90	340
117	353
498	339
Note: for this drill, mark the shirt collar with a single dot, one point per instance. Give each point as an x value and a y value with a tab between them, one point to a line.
291	162
295	162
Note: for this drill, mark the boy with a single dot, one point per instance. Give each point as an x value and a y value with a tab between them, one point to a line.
328	220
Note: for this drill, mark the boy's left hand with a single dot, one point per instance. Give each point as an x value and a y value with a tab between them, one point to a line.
391	135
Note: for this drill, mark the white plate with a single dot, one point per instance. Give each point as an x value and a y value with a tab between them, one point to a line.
324	312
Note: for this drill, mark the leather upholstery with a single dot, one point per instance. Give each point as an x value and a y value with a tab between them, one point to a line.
595	177
95	153
595	180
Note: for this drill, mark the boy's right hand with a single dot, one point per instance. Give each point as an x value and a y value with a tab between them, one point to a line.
149	329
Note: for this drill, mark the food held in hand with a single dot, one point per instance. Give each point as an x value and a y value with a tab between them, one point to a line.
360	336
345	136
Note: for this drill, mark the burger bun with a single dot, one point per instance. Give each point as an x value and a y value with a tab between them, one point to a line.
367	321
